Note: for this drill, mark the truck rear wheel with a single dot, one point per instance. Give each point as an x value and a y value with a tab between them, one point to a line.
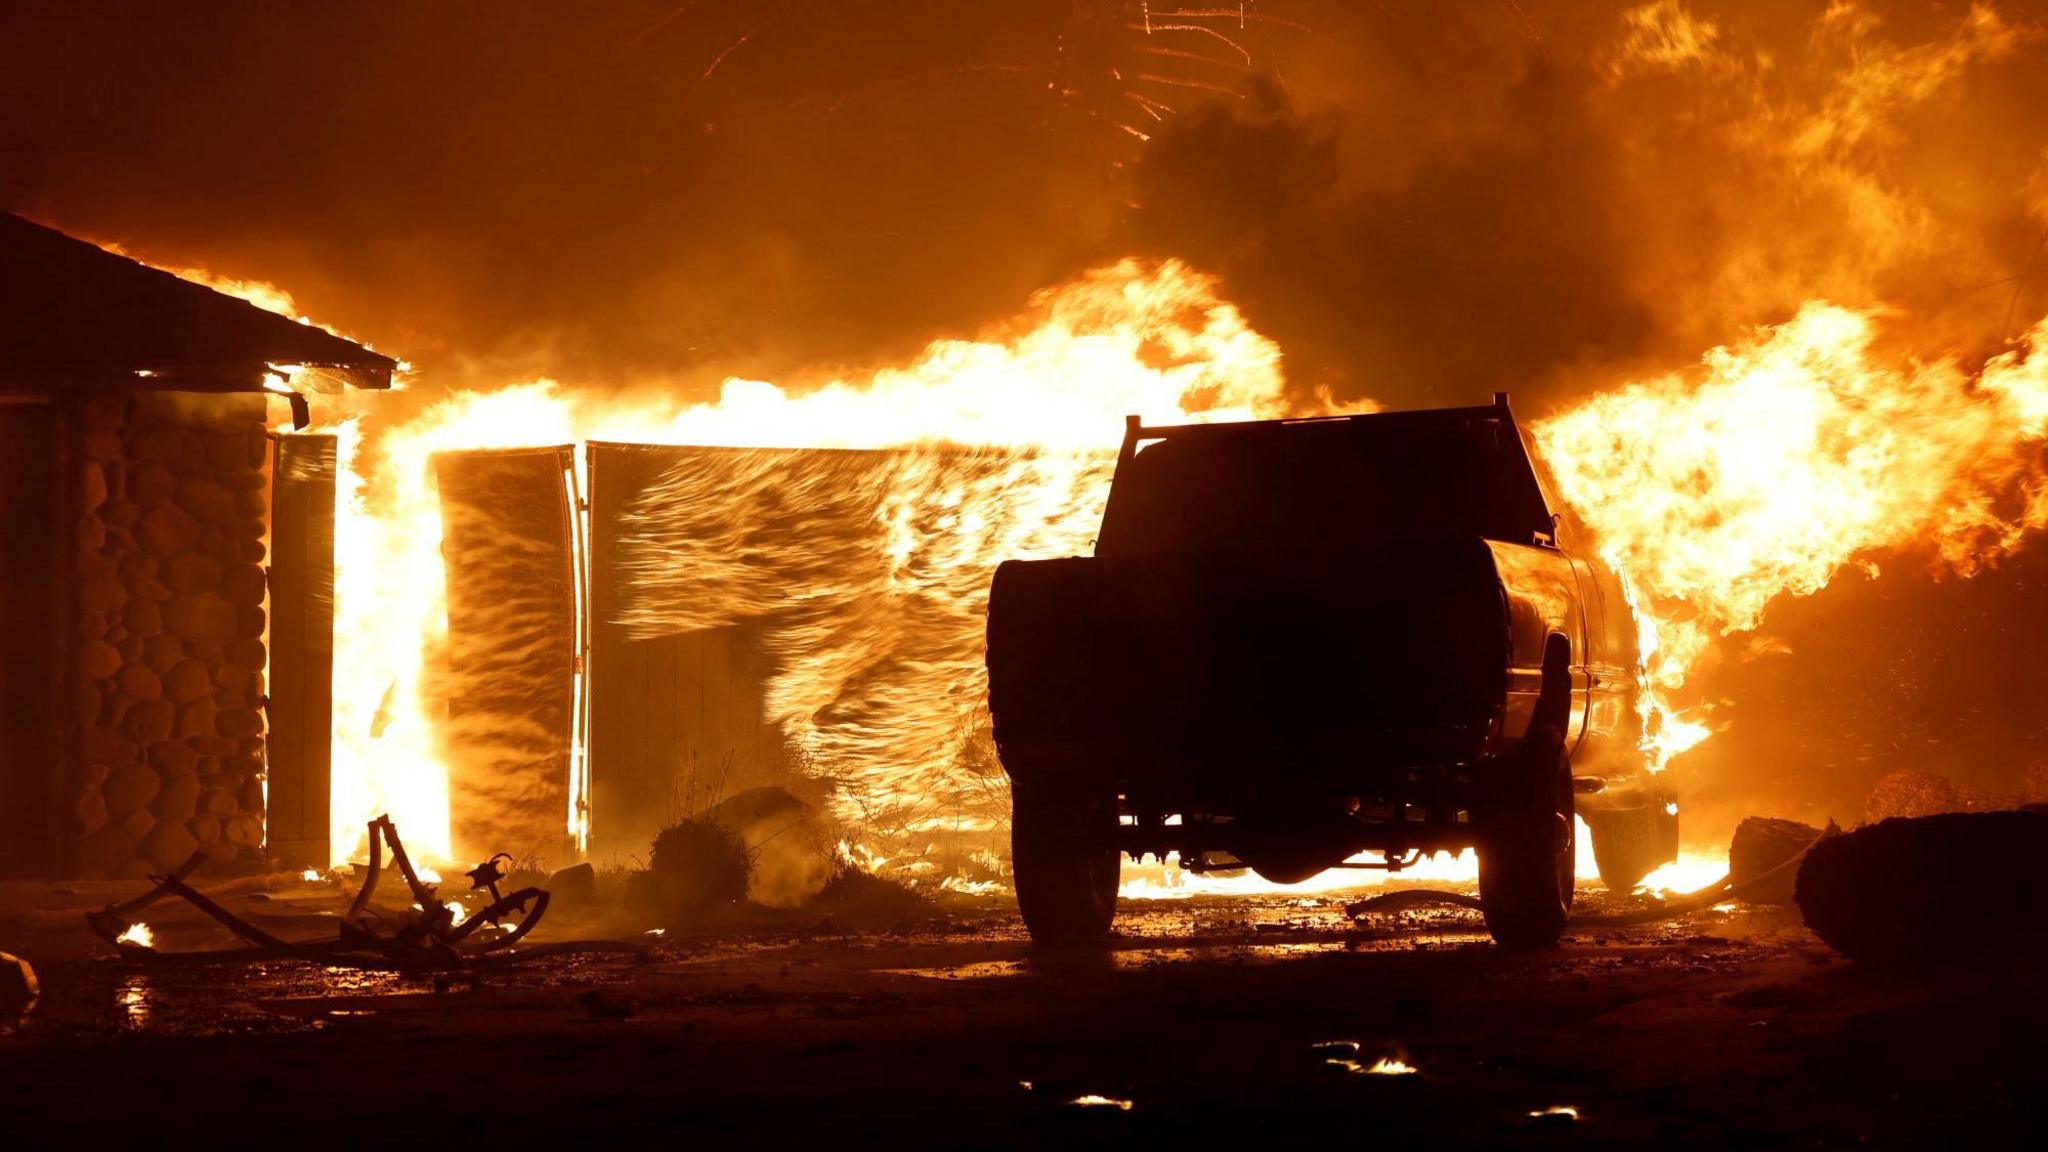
1526	858
1064	858
1631	844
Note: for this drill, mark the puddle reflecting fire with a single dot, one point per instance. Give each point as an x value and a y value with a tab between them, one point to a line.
135	999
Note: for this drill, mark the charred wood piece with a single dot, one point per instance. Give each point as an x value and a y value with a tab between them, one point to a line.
1760	846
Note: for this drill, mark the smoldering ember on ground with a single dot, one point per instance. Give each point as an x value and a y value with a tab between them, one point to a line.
1045	573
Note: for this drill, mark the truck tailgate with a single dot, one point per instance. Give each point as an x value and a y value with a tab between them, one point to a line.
1395	652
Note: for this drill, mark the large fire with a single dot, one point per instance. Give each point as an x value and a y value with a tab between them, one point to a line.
1040	402
1804	448
1783	459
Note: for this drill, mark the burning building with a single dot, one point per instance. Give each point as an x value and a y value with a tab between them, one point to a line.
165	613
571	617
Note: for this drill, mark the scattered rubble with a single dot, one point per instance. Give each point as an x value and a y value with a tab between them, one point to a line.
574	885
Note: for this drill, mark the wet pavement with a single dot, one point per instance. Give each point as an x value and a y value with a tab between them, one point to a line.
1205	1015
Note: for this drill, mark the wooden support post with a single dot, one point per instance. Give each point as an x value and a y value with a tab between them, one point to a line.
301	651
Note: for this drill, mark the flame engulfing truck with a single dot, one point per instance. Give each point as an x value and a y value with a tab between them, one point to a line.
1301	640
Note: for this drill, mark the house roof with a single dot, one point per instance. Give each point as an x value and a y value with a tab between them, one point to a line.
76	316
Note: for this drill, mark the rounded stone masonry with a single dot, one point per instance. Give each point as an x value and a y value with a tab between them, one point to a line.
160	443
92	809
178	799
143	616
243	584
197	718
98	660
168	845
239	722
207	501
245	831
188	680
167	530
248	655
119	514
94	564
131	788
140	682
150	485
135	824
218	802
148	721
169	660
163	652
101	594
173	758
105	746
192	574
207	619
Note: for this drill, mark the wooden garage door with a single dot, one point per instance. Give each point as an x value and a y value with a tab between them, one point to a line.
507	538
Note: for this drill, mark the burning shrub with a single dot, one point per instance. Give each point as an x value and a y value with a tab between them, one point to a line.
697	867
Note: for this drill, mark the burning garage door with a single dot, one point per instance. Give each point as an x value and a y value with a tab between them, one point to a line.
809	616
805	618
508	532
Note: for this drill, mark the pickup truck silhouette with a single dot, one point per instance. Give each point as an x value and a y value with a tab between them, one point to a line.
1299	641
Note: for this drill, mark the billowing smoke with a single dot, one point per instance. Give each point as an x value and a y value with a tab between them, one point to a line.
1432	205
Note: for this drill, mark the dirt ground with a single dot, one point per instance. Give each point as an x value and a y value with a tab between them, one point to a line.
1210	1019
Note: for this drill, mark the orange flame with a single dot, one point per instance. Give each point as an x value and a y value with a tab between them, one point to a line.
1790	456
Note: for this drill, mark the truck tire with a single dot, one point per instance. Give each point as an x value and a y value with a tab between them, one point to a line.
1630	844
1526	858
1063	856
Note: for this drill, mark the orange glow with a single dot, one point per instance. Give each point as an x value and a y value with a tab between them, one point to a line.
268	297
139	935
1689	873
1170	882
1784	459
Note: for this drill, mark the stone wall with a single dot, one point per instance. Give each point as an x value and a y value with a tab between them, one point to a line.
169	665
